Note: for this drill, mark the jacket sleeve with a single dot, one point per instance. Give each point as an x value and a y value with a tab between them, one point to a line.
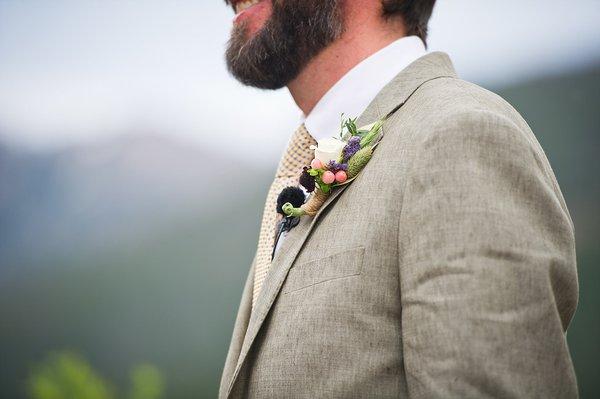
487	265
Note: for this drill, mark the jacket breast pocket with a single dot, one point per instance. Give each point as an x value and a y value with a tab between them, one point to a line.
338	265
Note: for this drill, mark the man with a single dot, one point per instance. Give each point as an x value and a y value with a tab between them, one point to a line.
445	269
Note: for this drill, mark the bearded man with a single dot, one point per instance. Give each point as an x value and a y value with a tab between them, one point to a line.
446	268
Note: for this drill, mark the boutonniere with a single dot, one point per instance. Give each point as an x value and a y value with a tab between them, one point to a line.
337	162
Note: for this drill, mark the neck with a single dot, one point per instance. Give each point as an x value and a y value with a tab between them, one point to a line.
363	36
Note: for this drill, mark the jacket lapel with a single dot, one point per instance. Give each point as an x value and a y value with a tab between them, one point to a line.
388	100
282	262
239	331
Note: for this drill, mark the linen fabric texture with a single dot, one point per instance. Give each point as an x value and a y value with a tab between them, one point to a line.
446	269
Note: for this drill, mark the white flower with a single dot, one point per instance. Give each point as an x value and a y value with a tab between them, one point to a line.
328	149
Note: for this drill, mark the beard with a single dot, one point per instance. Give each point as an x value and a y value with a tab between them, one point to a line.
296	31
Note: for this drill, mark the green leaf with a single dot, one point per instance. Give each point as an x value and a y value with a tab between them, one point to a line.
351	126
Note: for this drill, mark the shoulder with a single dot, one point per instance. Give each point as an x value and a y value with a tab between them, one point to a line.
448	103
450	111
449	123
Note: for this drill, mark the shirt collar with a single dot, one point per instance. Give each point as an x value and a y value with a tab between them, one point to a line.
358	87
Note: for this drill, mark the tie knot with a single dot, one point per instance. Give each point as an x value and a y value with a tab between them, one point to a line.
297	154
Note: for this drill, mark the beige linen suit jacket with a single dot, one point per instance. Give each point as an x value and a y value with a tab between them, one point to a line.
446	269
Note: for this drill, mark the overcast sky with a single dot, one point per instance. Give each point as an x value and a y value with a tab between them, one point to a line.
73	71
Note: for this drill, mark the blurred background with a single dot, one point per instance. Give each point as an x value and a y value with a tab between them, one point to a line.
133	171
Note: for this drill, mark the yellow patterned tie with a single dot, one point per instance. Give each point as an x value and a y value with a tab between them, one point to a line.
297	155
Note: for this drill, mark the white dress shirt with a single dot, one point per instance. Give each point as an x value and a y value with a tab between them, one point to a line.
358	87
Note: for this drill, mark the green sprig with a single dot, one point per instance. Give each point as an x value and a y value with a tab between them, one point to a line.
350	125
371	135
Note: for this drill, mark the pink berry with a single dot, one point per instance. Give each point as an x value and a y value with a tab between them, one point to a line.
340	176
316	164
328	177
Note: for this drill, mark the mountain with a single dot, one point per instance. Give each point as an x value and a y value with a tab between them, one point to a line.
97	197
